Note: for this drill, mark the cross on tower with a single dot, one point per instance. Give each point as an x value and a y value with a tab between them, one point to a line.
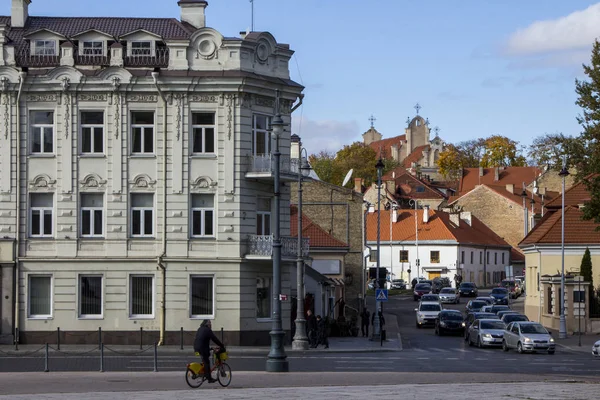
417	107
372	119
436	130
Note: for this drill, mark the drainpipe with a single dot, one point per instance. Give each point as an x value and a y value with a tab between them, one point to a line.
538	282
22	76
159	261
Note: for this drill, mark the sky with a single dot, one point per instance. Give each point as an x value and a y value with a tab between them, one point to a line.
477	68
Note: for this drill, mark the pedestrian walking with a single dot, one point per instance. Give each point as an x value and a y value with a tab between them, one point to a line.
322	331
364	322
311	329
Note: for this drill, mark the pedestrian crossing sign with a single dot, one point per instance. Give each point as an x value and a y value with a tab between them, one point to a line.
381	295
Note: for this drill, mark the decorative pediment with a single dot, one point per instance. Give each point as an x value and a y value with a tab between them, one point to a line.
44	30
92	31
42	182
60	73
10	73
93	181
142	182
203	184
206	43
110	73
137	31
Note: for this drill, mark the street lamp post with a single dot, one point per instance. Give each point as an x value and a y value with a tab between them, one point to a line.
300	341
376	322
562	333
277	359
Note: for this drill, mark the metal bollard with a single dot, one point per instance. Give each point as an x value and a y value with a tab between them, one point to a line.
46	369
99	338
181	338
155	358
221	334
141	336
102	357
16	338
58	338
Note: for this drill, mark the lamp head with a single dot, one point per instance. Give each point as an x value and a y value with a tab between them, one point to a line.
524	193
379	164
277	126
564	172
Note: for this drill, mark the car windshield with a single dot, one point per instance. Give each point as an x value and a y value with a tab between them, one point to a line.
533	328
492	325
499	291
447	291
515	317
430	307
429	297
422	286
451	316
467	285
478	304
508	283
486	315
398	281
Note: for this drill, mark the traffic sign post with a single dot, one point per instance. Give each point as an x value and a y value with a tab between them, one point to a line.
381	294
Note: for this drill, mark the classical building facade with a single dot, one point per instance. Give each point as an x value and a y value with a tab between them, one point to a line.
136	176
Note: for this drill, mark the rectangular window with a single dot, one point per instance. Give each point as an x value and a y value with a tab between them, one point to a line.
141	48
480	257
263	297
142	132
44	48
40	296
263	216
549	303
203	133
487	254
203	212
403	255
92	211
142	215
92	132
201	296
93	48
42	132
40	215
502	258
373	255
579	296
141	296
261	138
435	257
90	296
495	258
471	257
462	257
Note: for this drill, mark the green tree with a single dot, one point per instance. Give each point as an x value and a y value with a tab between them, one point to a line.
501	151
450	163
359	157
586	267
550	148
325	166
471	152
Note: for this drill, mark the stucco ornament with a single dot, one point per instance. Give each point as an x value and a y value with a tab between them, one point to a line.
142	181
203	183
92	181
42	182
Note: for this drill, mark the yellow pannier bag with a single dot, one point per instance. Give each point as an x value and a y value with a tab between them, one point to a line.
196	368
223	356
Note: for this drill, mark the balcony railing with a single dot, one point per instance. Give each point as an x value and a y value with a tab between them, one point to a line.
24	58
265	163
159	59
262	245
90	59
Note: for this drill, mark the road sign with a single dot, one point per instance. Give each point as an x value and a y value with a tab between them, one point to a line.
283	297
381	295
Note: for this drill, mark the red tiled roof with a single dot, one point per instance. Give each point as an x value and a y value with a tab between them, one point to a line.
319	238
415	156
386	145
439	227
506	175
549	229
575	195
515	196
406	187
516	255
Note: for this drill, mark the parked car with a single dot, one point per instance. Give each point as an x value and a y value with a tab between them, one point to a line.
427	312
398	284
475	305
489	300
430	297
521	280
512	287
420	290
487	309
501	313
474	316
500	295
449	295
499	307
486	332
468	289
528	336
371	284
596	349
449	321
508	318
439	283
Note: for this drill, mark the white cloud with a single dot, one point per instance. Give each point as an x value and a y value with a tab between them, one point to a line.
574	31
325	135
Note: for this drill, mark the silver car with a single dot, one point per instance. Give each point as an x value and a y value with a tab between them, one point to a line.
528	336
427	312
486	332
596	349
449	295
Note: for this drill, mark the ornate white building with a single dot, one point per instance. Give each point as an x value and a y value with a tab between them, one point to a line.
136	178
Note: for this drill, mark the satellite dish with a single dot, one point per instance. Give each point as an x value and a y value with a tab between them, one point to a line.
347	178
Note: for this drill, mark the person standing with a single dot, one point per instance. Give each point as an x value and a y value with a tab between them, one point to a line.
202	345
311	329
322	328
364	322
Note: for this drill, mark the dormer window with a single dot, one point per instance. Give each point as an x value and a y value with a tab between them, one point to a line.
93	48
44	47
141	48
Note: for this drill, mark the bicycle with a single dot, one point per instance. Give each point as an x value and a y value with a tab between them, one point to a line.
194	373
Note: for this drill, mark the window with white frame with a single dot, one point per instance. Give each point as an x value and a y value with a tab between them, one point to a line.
90	296
263	298
261	135
44	47
434	256
95	48
141	296
263	216
40	296
203	133
141	48
41	219
92	132
92	215
203	212
201	296
142	214
142	132
42	132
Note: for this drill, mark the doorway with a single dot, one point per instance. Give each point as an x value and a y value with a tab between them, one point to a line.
433	275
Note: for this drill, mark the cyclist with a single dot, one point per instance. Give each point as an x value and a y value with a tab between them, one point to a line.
202	345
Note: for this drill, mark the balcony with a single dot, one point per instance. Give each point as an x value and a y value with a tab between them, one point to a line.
24	58
262	166
91	59
159	59
261	247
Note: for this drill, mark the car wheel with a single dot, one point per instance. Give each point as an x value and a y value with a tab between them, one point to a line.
416	298
519	348
441	332
504	346
479	344
437	331
550	351
418	326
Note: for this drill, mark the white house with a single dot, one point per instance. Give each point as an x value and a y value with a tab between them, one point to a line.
430	244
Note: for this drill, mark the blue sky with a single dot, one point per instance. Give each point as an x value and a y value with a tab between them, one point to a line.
476	67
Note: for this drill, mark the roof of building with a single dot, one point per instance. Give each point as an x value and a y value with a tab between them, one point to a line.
414	156
439	227
319	237
408	186
577	231
516	255
575	195
506	175
385	145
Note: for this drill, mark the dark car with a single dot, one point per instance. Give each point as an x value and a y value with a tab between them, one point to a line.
487	299
508	318
398	284
496	308
476	315
512	287
500	296
420	290
475	305
449	321
468	289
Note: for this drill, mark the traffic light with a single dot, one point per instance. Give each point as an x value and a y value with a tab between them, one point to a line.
382	276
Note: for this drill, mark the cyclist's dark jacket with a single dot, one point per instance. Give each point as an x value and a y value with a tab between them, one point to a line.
203	338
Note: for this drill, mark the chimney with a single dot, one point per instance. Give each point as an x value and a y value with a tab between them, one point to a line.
192	12
295	145
372	208
425	214
466	216
542	191
391	186
455	219
19	13
394	214
510	187
480	171
496	174
358	185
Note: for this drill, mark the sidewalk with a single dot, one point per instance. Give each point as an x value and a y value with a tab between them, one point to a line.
571	342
